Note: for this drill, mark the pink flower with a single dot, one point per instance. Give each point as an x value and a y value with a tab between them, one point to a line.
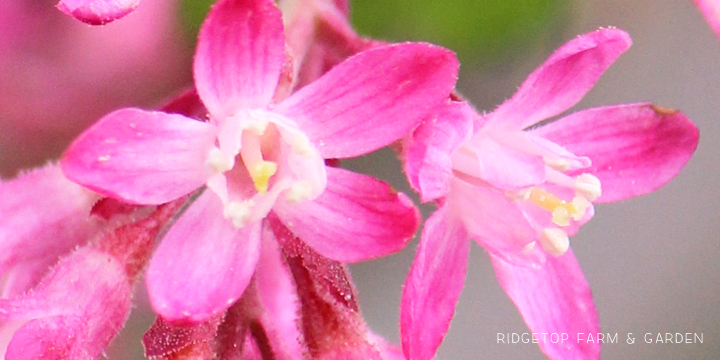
72	314
256	157
520	187
43	216
710	9
97	12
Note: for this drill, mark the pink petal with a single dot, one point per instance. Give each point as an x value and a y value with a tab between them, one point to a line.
373	98
42	217
278	295
711	11
507	168
554	299
434	284
239	56
493	221
427	152
634	148
50	338
203	263
357	218
562	80
141	157
97	12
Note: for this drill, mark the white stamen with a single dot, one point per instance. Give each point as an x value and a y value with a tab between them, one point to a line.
238	212
299	191
528	248
554	241
257	127
218	161
588	186
559	164
301	145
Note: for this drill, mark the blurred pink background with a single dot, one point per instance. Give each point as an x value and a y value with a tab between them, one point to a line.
58	75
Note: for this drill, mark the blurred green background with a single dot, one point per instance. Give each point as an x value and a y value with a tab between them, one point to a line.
483	33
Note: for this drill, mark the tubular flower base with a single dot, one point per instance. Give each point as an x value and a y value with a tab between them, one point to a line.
521	188
73	315
257	157
299	305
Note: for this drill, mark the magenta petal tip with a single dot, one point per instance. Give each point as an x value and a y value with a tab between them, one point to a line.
97	12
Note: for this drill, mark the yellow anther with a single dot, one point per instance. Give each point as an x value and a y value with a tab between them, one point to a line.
261	174
544	199
561	210
581	205
561	215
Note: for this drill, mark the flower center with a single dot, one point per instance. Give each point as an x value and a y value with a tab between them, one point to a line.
530	169
586	187
260	157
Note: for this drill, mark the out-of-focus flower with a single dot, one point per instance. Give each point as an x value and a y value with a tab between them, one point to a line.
43	216
58	75
710	9
73	313
520	187
319	36
97	12
256	156
62	303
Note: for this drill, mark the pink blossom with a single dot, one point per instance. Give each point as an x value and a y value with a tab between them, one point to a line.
72	314
97	12
710	10
58	75
256	156
520	188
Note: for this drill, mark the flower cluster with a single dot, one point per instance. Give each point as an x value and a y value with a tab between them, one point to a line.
231	201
